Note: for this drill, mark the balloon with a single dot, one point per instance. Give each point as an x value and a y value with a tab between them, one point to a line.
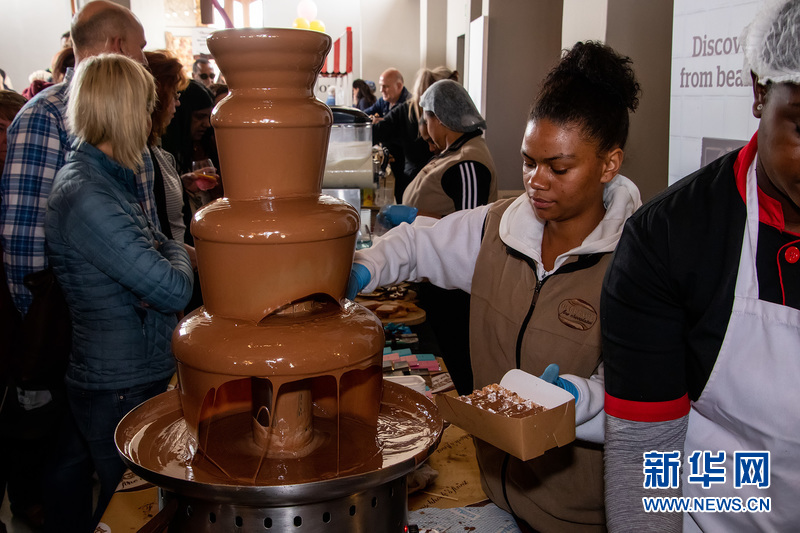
317	25
301	23
307	9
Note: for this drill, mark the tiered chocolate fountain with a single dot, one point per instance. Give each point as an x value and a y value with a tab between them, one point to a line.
281	419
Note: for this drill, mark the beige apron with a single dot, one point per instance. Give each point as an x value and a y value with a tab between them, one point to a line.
750	402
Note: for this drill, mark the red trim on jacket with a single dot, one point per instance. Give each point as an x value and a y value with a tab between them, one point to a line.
770	211
647	411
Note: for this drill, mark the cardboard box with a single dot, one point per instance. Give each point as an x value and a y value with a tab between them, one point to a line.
525	437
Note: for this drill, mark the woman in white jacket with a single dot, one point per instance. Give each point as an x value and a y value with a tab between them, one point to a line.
534	268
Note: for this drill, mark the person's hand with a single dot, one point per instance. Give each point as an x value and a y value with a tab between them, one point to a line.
550	375
206	178
393	215
158	238
192	255
359	278
201	179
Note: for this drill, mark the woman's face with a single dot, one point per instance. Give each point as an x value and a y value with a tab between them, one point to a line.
422	127
563	173
779	141
201	121
437	133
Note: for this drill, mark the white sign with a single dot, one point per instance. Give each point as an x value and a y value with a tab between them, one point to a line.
708	99
199	36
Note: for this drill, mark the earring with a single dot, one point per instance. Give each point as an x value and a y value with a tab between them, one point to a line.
760	107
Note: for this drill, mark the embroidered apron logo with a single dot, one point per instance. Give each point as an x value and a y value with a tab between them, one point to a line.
577	314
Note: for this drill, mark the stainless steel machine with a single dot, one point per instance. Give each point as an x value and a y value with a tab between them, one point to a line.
353	165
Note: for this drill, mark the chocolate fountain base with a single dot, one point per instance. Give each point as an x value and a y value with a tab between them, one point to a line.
153	442
381	508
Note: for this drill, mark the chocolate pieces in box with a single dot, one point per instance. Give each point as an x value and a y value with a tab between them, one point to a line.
525	437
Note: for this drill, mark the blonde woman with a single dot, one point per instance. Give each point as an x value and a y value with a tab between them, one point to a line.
123	280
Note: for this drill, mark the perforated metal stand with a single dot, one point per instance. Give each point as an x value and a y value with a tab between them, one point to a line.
381	508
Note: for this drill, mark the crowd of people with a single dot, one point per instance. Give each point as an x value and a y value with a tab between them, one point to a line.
685	316
96	199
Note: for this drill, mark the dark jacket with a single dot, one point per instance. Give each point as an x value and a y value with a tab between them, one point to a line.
399	132
381	107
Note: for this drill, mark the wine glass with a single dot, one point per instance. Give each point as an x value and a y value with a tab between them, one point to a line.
206	174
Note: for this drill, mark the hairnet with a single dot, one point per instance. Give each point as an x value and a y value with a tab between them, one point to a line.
771	43
451	104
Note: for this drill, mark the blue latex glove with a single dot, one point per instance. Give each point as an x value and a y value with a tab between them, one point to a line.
359	278
394	215
550	375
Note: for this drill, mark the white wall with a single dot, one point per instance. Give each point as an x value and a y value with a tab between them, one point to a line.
151	14
433	33
390	38
583	20
457	24
30	35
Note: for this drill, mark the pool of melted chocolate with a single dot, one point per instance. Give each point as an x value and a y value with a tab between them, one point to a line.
154	441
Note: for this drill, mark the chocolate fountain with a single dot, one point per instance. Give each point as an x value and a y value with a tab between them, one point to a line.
281	419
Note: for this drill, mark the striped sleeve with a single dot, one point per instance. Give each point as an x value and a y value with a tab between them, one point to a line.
468	184
626	445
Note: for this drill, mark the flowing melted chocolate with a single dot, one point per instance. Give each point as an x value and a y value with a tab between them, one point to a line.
155	436
279	375
319	360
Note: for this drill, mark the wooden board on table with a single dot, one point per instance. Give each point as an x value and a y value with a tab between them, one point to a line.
412	319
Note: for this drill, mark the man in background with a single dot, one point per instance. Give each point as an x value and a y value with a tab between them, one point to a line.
203	72
393	92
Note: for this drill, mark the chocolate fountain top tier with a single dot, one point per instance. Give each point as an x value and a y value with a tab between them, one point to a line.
272	133
274	239
291	67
